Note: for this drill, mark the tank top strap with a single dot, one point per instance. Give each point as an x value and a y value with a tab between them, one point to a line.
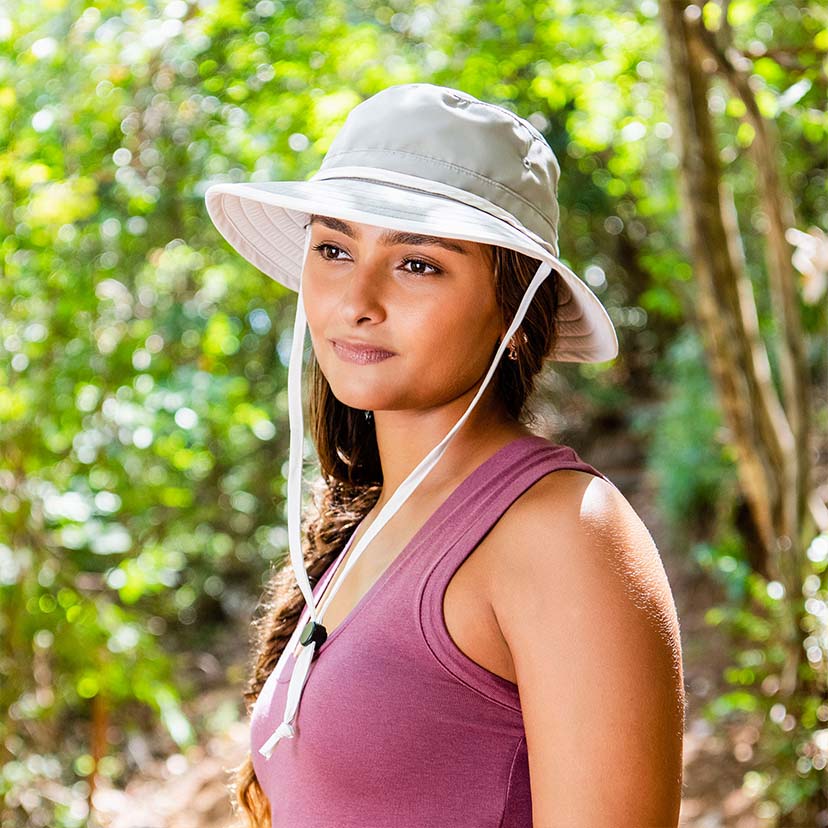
507	476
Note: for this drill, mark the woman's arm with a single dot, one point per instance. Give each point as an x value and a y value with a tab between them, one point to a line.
584	605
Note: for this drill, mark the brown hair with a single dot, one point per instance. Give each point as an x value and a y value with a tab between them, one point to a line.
351	480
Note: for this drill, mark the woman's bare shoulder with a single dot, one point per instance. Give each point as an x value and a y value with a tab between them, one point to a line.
561	501
574	540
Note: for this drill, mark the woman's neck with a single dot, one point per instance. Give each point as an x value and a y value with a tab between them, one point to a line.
404	438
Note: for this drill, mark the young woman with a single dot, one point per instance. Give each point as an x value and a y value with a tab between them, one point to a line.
500	646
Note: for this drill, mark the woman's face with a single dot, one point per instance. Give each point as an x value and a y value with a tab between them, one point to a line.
428	305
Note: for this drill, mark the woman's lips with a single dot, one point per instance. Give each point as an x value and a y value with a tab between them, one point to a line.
360	354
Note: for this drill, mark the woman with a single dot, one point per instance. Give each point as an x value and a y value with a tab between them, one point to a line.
537	681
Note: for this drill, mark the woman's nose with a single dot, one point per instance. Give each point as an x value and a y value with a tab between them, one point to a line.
362	296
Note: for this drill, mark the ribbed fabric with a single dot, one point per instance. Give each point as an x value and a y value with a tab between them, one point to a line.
398	728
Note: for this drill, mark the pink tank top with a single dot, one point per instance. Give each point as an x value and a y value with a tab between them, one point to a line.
398	728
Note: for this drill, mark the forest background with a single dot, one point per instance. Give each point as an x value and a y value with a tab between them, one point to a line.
143	404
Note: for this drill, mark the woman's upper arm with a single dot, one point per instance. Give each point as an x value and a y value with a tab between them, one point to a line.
584	605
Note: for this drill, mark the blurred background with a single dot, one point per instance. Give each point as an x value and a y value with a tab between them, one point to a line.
143	407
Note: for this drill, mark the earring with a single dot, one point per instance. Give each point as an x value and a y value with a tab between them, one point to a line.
369	415
513	354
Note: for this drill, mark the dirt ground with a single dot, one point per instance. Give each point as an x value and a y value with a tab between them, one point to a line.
191	791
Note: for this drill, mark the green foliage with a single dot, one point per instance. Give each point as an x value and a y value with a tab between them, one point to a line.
687	453
791	732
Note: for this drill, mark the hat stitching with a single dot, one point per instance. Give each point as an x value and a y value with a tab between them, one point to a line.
270	252
451	165
534	134
254	212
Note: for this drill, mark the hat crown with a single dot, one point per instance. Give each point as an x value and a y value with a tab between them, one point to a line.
438	134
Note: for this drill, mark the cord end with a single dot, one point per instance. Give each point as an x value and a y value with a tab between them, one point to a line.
285	729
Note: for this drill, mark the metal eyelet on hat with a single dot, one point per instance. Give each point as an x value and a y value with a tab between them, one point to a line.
527	163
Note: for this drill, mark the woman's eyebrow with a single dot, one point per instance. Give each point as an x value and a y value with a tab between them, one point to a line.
392	237
400	237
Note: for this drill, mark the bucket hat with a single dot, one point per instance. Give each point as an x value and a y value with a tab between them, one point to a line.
434	161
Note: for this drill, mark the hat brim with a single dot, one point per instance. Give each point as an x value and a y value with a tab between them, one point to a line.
265	223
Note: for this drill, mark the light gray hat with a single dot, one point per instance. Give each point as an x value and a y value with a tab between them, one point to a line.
430	160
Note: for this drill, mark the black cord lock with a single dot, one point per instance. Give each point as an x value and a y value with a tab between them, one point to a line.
313	632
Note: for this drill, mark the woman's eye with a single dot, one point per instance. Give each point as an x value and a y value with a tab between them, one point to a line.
332	248
333	253
419	266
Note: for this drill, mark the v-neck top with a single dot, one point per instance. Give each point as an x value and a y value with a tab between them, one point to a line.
398	727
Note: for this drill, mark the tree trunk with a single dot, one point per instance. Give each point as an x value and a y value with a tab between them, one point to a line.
770	436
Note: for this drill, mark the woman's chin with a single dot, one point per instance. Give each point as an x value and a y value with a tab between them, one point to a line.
360	402
360	392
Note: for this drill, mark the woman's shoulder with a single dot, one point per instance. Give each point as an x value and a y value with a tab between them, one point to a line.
573	530
568	500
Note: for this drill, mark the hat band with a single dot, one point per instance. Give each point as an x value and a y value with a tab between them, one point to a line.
432	187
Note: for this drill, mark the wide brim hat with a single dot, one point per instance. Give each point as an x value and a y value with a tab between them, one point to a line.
430	185
432	161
